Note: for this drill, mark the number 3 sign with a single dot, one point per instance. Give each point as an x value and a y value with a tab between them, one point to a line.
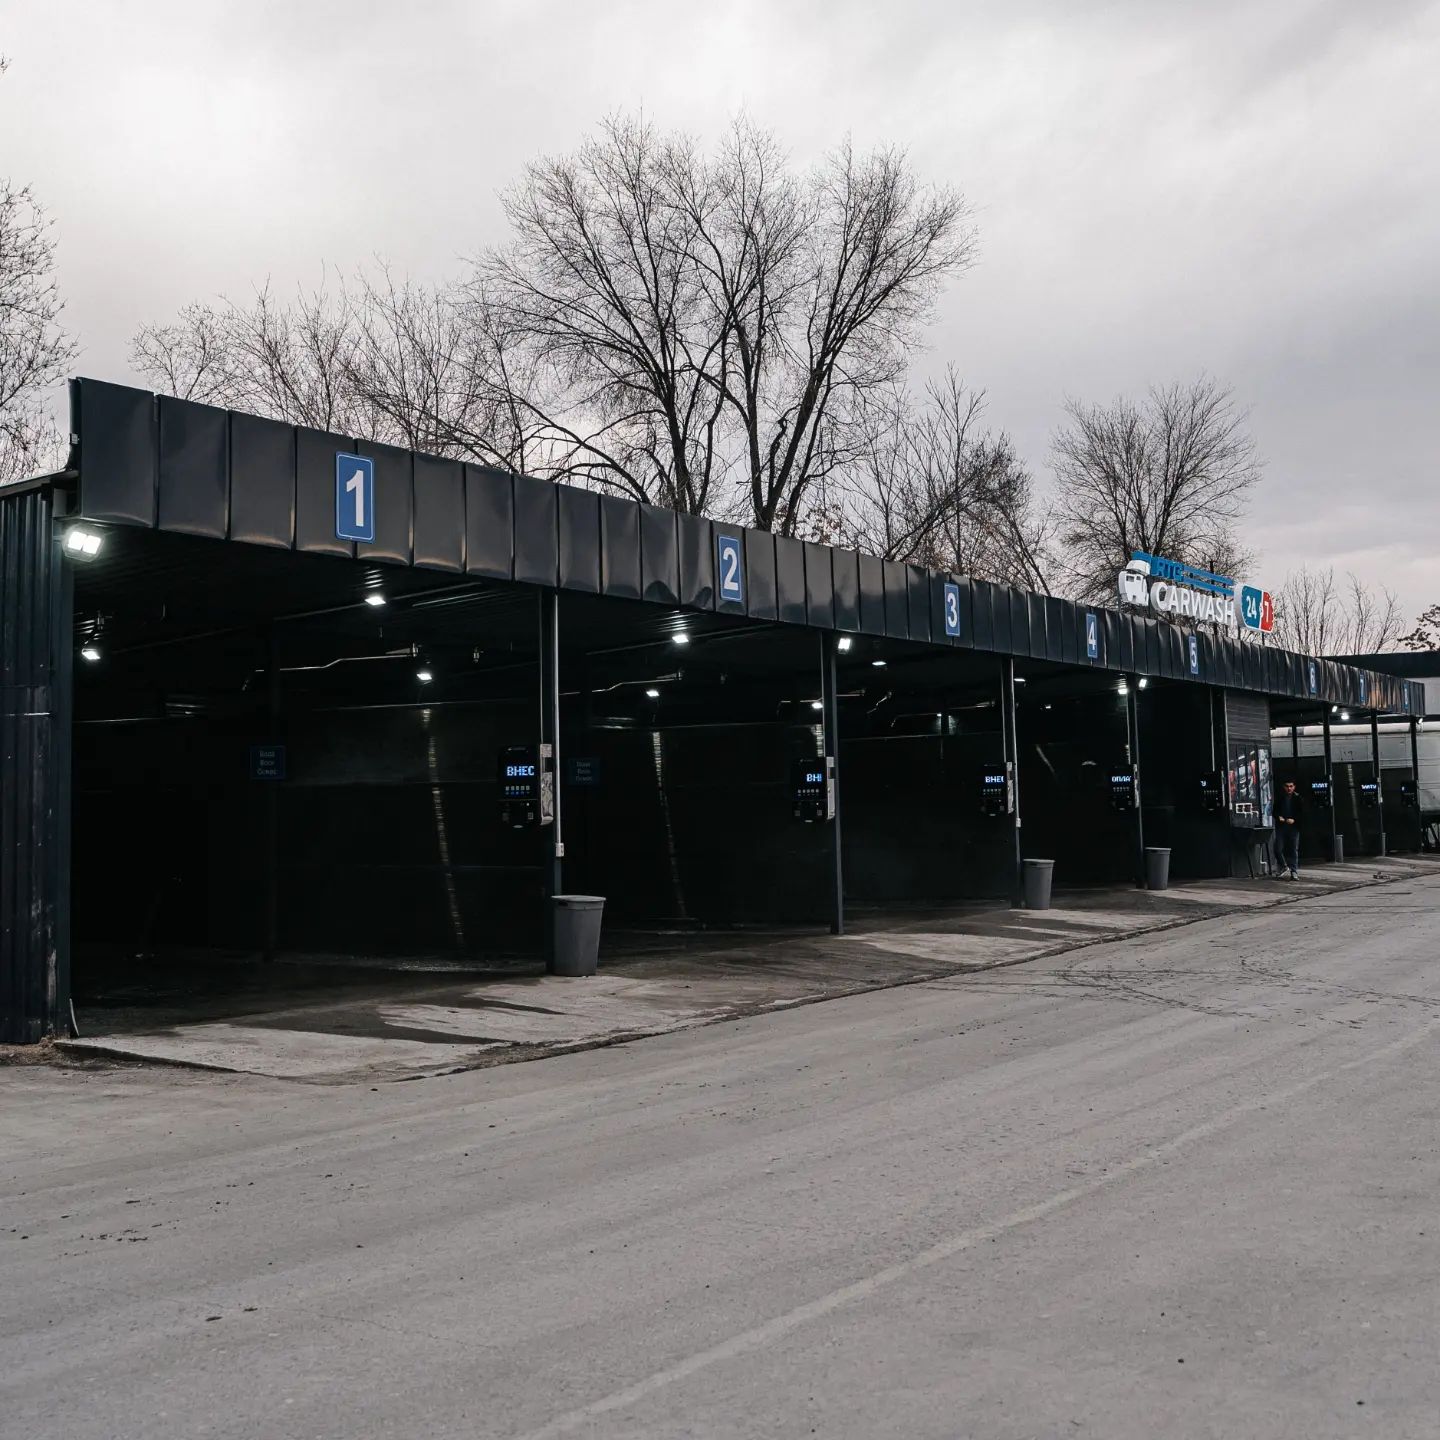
354	498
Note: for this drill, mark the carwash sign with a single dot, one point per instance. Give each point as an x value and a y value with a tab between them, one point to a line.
1185	592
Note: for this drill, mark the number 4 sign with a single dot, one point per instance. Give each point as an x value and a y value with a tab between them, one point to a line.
354	498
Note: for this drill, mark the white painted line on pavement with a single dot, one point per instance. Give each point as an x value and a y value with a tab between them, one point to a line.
782	1325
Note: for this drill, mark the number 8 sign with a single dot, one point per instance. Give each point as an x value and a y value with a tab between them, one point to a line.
354	498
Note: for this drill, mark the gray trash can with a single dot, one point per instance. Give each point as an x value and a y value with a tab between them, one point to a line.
576	942
1157	867
1037	876
1338	854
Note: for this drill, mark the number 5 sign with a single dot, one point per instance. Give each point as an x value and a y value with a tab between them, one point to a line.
354	498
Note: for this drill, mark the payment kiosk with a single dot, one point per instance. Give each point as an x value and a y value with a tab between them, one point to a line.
527	786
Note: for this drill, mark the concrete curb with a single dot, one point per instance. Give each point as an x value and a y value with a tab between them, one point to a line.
523	1053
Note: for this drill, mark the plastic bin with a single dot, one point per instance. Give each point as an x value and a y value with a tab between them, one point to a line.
575	946
1157	867
1037	876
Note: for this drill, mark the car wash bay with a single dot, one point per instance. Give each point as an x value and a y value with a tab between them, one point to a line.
278	741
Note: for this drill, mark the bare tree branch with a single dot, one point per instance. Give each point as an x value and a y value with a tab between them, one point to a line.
1169	476
35	351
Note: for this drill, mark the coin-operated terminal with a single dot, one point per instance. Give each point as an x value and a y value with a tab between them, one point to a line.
1212	790
527	786
812	789
1410	794
1369	794
1124	788
997	789
1321	796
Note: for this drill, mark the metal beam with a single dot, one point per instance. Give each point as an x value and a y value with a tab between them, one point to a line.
831	729
1010	740
1379	783
1132	745
1335	854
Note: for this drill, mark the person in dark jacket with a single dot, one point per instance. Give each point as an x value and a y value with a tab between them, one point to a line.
1287	828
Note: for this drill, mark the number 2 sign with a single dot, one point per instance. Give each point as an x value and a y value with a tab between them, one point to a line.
354	498
728	565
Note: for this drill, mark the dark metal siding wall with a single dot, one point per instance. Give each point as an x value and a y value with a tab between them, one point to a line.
175	465
35	627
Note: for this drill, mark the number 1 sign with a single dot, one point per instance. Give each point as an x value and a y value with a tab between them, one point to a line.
354	498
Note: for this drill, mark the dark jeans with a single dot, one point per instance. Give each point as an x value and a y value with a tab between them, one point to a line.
1287	843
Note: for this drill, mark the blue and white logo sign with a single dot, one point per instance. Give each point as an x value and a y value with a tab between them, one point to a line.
354	497
952	608
1314	671
1092	634
730	568
1194	655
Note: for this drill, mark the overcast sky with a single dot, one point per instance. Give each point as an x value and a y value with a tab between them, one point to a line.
1245	187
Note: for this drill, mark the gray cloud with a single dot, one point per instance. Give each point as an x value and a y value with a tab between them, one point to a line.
1161	187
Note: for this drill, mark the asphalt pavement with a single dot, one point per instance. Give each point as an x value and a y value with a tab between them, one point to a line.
1178	1185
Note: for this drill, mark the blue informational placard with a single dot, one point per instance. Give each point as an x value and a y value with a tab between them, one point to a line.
730	568
1314	679
1362	689
354	497
952	608
267	762
1250	606
582	770
1092	635
1194	655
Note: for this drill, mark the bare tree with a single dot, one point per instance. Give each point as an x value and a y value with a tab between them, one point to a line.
1317	615
931	487
712	323
34	348
386	359
1426	634
1169	475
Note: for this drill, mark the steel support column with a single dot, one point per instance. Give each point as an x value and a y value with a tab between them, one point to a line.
1132	745
831	732
272	801
553	840
1335	854
1010	740
1379	782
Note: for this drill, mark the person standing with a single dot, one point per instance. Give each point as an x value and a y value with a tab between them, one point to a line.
1287	828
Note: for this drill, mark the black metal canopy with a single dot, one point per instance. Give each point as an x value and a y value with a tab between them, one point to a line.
172	465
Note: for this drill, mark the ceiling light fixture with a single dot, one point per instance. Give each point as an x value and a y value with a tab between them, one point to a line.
375	598
424	676
652	694
878	664
680	638
1144	681
817	704
844	643
90	653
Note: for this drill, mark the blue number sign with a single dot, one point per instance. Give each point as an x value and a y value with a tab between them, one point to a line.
1314	679
1194	655
952	608
1250	607
354	498
729	564
1092	635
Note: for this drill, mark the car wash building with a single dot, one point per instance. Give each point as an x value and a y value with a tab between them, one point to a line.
268	692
